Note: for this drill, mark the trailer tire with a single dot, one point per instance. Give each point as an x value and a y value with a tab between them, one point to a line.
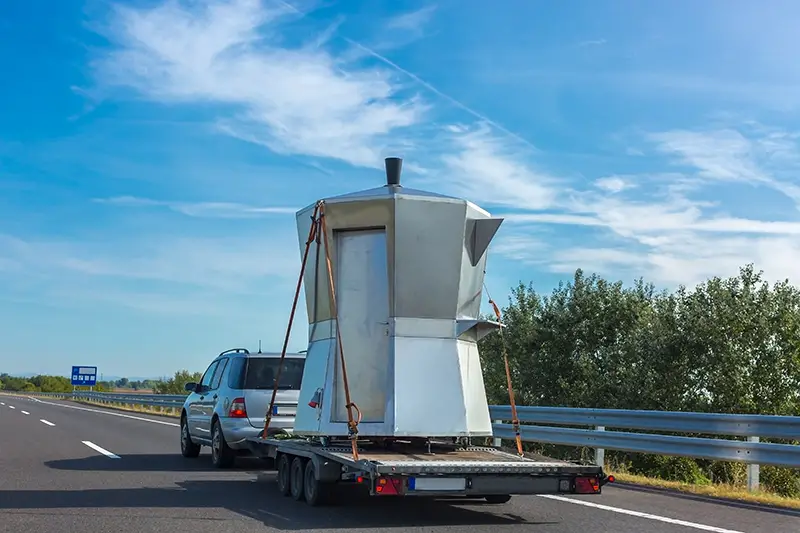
316	492
284	476
497	498
297	475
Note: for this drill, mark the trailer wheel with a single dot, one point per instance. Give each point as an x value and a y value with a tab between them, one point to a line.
317	492
297	475
284	475
498	498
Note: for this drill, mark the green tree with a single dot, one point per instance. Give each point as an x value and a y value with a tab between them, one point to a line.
728	345
176	384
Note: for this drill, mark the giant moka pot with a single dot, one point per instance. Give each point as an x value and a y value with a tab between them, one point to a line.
407	269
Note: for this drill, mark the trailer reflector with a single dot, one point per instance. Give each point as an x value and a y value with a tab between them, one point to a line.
391	486
587	485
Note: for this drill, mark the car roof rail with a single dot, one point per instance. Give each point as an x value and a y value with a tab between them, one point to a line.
236	350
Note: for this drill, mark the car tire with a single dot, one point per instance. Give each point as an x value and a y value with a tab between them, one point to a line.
221	455
188	448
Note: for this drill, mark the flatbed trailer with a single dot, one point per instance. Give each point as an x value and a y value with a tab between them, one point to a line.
310	470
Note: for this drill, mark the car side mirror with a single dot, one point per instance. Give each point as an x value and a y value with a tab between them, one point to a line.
190	387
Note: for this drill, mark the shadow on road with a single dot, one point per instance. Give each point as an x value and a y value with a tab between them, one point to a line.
256	498
153	463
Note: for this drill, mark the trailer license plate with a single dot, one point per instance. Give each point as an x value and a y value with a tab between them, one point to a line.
439	484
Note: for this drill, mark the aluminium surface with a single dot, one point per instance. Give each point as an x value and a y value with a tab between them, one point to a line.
468	460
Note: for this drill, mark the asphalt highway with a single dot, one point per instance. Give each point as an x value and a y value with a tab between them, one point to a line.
70	467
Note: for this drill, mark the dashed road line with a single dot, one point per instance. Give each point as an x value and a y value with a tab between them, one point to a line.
97	448
694	525
11	407
162	422
25	412
47	422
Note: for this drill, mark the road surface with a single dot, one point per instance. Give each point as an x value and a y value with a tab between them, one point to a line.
70	467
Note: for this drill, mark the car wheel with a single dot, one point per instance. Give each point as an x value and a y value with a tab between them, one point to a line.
188	448
221	455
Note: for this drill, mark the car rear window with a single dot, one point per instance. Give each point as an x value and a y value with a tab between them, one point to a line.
260	372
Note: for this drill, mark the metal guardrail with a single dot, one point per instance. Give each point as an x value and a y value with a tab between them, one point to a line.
538	422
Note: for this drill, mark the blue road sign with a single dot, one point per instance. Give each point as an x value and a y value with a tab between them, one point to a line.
84	376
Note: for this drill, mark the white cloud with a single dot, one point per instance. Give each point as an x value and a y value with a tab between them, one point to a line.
412	21
293	100
728	156
232	265
613	184
672	231
200	209
485	169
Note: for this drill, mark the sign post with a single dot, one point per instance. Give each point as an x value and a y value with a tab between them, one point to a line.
84	376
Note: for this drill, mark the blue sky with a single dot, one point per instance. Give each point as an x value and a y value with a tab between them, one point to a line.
152	153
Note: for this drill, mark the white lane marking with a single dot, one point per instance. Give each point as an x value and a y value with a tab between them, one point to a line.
2	403
43	421
649	516
11	407
97	448
25	412
173	424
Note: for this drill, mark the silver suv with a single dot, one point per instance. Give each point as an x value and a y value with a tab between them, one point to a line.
230	403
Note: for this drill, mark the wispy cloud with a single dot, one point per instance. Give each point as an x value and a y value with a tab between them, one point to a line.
728	156
412	21
670	232
485	168
293	100
592	42
200	209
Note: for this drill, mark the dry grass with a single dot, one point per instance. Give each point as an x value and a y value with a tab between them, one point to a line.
148	409
717	490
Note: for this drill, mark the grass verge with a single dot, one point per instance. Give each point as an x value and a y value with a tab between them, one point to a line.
717	490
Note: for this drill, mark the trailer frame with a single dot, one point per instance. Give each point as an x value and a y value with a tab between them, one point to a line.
310	469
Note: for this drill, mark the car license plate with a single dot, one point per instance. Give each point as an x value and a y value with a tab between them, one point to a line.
439	484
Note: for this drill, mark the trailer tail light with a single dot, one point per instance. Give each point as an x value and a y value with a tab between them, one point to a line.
587	485
607	479
389	486
238	409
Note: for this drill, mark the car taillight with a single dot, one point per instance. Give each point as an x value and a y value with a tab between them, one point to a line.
587	485
237	410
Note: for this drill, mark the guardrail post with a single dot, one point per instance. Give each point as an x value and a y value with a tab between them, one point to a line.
753	471
497	442
600	453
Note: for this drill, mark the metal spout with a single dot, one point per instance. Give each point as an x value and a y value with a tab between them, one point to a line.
394	166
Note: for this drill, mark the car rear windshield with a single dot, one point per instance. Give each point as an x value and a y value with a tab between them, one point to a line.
260	373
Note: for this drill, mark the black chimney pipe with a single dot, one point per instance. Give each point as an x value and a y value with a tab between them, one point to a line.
394	166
